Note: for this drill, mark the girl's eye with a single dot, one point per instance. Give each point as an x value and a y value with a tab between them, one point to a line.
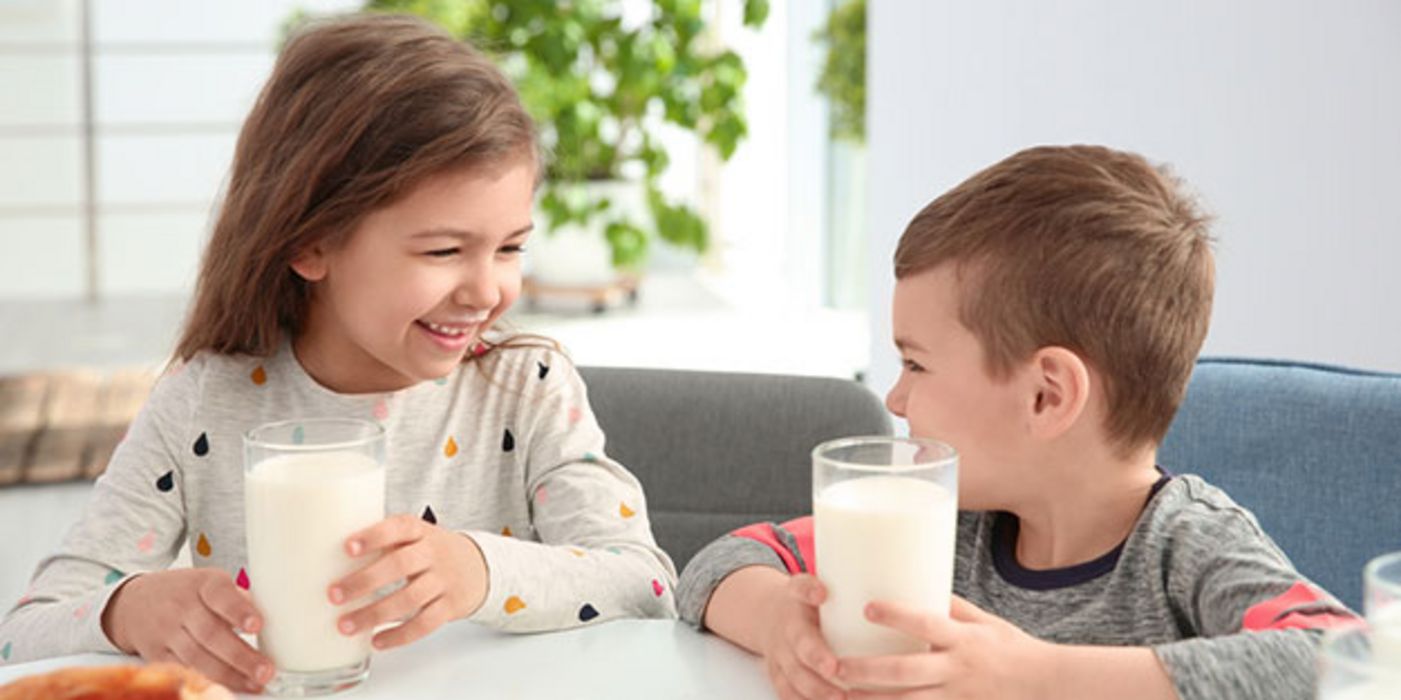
911	366
513	249
442	252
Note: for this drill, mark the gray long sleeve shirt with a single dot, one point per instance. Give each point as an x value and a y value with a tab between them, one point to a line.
508	452
1196	580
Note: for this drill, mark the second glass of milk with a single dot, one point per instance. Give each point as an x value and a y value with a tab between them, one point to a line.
885	511
309	485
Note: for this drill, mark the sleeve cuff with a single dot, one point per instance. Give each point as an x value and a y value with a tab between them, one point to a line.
711	565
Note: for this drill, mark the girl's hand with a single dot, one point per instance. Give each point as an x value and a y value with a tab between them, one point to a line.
974	654
445	573
798	661
188	616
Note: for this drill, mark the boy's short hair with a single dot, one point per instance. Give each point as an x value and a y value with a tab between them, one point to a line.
1085	248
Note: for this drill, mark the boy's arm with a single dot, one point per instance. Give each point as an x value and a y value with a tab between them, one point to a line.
1256	621
738	607
711	588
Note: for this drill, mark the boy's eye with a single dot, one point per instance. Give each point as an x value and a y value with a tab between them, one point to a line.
442	252
513	249
911	366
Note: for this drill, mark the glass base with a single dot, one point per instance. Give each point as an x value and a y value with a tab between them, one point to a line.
305	684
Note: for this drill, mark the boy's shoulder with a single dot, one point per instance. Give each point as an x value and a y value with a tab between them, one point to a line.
1195	518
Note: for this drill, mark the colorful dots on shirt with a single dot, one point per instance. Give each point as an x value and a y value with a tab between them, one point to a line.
441	381
479	349
380	410
112	577
298	435
166	482
590	457
428	515
81	611
202	546
514	605
575	415
241	580
202	445
576	552
146	542
450	449
625	511
259	375
506	531
5	652
588	612
657	588
541	496
508	442
544	369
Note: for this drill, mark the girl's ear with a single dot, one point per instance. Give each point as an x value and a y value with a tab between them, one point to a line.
1062	391
310	264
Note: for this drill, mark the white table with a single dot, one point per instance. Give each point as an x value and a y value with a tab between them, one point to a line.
644	659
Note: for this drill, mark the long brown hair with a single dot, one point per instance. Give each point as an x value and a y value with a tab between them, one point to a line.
1085	248
359	110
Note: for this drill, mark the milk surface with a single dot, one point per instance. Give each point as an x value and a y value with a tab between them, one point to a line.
300	508
882	538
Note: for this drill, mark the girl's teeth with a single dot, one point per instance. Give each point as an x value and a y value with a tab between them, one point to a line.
444	329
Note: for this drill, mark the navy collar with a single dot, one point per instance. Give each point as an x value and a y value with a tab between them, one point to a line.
1005	528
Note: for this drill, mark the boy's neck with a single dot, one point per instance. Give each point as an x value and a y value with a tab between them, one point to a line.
1084	510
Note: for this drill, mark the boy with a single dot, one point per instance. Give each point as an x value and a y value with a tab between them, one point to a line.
1048	312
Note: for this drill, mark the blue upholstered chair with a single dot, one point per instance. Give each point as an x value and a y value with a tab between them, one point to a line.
1314	451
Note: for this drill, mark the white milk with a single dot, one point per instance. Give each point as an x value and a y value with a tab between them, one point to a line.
882	538
300	510
1386	640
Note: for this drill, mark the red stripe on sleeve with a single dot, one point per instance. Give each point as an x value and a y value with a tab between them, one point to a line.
1282	613
800	528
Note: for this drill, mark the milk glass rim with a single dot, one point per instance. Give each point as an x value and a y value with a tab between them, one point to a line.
948	454
1371	573
1331	648
376	432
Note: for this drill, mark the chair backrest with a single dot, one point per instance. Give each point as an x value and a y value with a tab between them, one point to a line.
715	451
1314	451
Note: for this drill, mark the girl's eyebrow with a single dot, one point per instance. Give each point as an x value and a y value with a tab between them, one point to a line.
463	233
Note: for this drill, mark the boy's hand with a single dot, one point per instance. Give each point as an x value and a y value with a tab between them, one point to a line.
445	573
974	654
188	616
799	663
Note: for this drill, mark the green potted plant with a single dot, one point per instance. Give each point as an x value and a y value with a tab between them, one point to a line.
600	85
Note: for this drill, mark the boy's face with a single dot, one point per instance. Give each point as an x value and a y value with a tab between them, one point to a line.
411	290
946	393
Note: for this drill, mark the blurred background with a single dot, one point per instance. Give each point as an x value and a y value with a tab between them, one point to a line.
741	218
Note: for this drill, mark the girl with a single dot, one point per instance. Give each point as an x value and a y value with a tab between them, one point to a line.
379	201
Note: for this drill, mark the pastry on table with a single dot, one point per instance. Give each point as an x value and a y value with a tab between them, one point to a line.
154	682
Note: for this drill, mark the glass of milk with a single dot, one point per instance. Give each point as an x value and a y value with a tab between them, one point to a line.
1382	606
885	511
308	485
1351	667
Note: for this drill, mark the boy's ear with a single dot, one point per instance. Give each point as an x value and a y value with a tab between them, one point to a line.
1062	391
310	264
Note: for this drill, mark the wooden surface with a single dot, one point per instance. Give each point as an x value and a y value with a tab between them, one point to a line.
60	426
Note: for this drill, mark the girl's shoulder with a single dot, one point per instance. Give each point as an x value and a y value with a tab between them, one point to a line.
528	368
207	371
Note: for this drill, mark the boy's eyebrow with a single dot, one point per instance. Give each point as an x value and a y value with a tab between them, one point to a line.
464	233
907	344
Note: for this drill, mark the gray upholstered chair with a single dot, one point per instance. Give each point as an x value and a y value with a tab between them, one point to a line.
716	451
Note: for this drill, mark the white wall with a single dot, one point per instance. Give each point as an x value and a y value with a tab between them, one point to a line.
1284	114
172	81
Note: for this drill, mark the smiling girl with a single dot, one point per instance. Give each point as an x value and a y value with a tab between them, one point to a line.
370	239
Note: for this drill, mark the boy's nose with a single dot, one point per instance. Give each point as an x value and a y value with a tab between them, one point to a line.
895	401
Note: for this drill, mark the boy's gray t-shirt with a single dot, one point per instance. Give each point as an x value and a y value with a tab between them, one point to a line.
505	448
1197	580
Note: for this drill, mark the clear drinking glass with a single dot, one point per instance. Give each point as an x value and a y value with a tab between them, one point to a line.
1382	606
885	511
1352	667
308	485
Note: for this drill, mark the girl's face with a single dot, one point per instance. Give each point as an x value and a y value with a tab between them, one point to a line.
408	293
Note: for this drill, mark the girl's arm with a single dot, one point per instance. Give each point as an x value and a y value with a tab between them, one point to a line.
133	523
